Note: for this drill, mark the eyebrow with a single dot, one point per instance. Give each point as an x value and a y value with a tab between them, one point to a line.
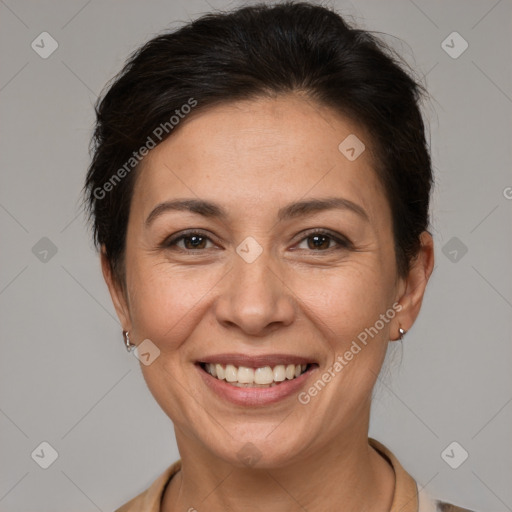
290	211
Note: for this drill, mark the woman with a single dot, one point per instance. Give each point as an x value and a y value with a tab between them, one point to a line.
259	191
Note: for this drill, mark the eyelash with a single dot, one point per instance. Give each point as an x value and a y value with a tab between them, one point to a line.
343	243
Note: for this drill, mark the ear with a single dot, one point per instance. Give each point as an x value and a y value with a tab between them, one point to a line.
415	284
116	292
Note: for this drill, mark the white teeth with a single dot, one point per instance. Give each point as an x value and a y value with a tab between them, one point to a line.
279	373
265	376
253	385
219	370
231	373
246	375
290	371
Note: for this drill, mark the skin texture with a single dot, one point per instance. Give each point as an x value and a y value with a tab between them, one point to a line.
252	158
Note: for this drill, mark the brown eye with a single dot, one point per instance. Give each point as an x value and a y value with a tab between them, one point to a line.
322	241
194	242
191	241
319	242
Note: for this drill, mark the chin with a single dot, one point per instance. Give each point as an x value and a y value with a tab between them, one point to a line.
261	448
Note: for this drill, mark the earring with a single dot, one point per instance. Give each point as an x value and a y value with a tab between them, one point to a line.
402	332
129	346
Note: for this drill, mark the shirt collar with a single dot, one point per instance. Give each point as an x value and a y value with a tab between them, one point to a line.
405	497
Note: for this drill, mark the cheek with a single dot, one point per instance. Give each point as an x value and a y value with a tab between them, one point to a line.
167	303
346	307
345	301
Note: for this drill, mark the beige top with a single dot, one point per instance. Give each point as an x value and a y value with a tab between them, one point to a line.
406	497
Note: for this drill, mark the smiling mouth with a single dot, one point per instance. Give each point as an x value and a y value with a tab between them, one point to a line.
262	377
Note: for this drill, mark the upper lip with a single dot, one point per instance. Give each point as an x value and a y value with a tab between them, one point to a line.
258	361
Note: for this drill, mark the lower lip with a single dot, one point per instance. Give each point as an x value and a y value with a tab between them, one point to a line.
255	396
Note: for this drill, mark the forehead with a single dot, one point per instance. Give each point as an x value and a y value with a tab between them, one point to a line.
263	152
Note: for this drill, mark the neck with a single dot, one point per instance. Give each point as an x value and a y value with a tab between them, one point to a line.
347	471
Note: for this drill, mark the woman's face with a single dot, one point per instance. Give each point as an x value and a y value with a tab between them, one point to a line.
254	286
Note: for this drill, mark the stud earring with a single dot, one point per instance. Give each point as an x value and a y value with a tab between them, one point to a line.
402	332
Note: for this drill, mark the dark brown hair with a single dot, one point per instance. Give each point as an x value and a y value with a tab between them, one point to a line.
261	50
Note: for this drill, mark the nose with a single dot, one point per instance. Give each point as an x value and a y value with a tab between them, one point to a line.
255	298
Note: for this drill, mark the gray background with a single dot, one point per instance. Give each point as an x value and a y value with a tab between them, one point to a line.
65	376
